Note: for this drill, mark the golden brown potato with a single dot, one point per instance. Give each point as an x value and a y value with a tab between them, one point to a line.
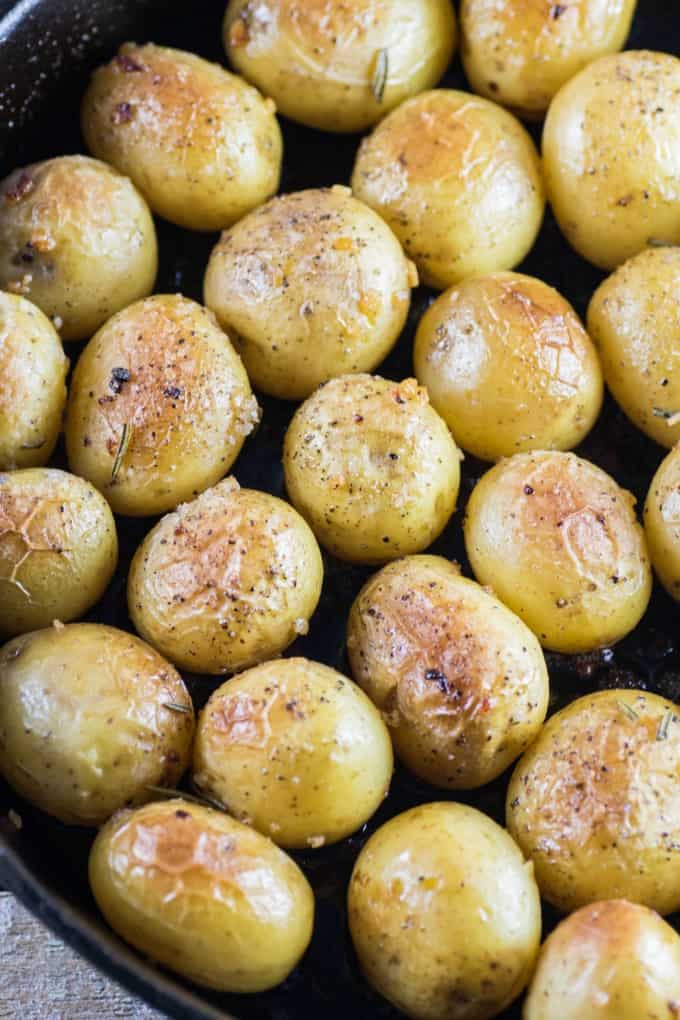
509	366
90	719
372	468
444	914
202	894
460	681
595	802
459	181
559	543
611	156
662	522
159	407
340	66
296	750
312	285
33	369
226	581
201	145
58	548
634	318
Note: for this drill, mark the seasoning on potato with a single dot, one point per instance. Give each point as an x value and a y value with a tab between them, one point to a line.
558	541
662	522
202	146
77	239
459	181
509	366
159	406
91	719
372	468
226	581
444	914
203	895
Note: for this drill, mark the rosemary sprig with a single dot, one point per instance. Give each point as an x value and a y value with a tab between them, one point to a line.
628	710
125	437
381	70
166	793
664	725
172	707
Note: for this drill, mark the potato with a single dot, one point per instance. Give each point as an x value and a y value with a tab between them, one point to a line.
203	895
226	581
201	145
634	318
371	467
33	368
612	960
76	238
58	548
521	53
459	679
662	522
296	750
340	66
90	719
159	407
312	285
459	181
444	914
559	543
532	383
611	156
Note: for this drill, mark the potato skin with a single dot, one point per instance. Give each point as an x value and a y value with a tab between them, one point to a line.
372	468
186	402
84	723
459	181
312	285
444	914
201	145
558	541
295	749
532	383
77	238
662	522
202	894
226	581
612	960
611	156
58	548
33	368
634	318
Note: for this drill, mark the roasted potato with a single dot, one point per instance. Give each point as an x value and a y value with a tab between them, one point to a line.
90	719
459	181
76	238
201	145
508	366
444	914
311	286
662	522
159	406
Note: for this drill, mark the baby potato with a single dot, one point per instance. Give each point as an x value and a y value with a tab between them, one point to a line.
533	382
340	66
90	719
76	238
662	522
559	543
634	318
612	960
611	156
459	181
295	749
202	894
444	914
226	581
595	802
159	406
202	146
520	54
460	681
312	285
58	548
33	368
372	468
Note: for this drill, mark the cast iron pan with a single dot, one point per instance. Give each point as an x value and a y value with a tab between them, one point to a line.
47	48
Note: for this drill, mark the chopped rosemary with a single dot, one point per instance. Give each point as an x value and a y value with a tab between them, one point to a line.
125	437
194	798
172	707
659	242
664	725
660	412
37	444
381	71
628	710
